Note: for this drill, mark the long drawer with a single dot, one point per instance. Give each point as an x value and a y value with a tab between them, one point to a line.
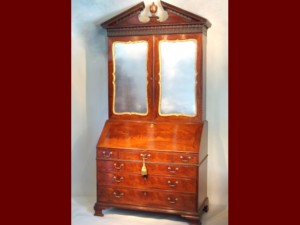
150	182
160	199
149	156
112	166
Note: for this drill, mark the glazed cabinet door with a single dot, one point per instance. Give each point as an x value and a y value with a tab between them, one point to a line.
130	77
178	80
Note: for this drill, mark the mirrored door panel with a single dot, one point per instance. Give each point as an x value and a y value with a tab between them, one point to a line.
177	77
129	77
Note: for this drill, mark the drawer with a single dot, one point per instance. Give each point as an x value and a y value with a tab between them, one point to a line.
157	199
149	182
149	156
109	166
178	170
107	153
155	156
185	158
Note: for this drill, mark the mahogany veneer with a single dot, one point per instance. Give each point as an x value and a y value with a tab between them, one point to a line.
173	148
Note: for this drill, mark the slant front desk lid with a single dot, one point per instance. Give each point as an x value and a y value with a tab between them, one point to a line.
152	136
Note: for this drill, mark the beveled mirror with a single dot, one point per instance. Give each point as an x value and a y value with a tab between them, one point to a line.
177	77
130	77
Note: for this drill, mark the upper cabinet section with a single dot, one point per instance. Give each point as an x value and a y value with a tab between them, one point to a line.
178	21
156	68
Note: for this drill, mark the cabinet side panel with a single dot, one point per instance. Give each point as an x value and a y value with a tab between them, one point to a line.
203	77
203	141
103	133
202	183
110	70
202	172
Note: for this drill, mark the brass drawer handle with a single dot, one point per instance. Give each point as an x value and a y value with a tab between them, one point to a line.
118	194
183	159
106	154
145	156
118	179
174	184
173	171
118	167
172	201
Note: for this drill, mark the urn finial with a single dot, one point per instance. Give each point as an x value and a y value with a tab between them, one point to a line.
153	8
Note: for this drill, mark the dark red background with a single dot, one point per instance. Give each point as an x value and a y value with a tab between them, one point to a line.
263	113
36	112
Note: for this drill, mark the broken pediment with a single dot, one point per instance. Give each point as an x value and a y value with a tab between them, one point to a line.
129	23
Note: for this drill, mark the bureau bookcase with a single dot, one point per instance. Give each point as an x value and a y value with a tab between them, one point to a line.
152	152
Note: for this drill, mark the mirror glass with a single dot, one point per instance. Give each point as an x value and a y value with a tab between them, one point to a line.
177	77
130	77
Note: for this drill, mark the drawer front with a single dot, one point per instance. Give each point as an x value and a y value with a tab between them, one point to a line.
149	182
179	170
149	156
152	168
185	158
184	202
107	153
109	166
154	156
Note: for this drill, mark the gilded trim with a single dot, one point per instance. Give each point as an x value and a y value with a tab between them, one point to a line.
159	81
114	79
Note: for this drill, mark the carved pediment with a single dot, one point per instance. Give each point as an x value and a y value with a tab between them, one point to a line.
177	19
182	16
130	16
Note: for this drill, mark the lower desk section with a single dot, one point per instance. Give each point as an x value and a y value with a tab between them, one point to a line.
148	198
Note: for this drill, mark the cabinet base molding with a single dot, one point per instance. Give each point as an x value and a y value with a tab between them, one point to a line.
193	218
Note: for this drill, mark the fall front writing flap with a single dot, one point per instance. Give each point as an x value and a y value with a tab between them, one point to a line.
152	136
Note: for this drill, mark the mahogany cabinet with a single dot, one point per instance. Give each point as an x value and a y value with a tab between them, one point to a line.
152	152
